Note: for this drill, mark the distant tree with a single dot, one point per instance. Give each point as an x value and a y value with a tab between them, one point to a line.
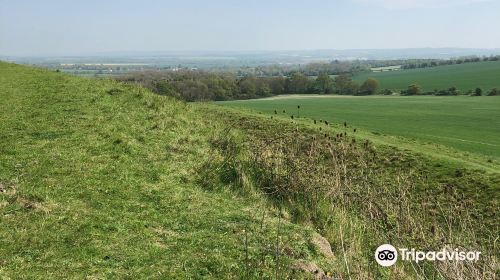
446	92
323	84
345	85
453	91
413	89
163	87
223	86
352	88
192	90
248	86
441	92
494	92
478	92
263	89
369	87
297	83
387	92
340	82
277	84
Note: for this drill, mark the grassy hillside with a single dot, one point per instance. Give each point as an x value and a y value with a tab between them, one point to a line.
98	180
105	180
359	192
468	76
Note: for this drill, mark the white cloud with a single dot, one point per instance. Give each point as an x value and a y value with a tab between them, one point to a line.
410	4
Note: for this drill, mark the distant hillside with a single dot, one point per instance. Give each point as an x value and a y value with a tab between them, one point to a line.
468	76
207	59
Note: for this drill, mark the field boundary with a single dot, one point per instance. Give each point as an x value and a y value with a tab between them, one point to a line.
435	150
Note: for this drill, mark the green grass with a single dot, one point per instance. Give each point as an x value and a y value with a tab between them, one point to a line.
99	180
305	163
466	124
467	76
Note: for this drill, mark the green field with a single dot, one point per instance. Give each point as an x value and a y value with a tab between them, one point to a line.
470	124
467	76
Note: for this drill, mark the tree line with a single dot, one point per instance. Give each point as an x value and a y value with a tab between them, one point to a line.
204	86
263	81
344	67
415	89
210	86
413	64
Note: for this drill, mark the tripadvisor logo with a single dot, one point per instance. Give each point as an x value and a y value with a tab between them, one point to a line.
387	255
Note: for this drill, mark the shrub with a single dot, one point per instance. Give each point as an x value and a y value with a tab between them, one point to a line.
446	92
478	92
369	87
453	91
413	89
494	92
387	92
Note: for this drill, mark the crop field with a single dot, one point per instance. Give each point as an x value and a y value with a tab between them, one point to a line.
469	124
468	76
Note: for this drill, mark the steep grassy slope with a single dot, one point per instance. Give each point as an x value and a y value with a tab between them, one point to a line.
97	180
360	193
465	77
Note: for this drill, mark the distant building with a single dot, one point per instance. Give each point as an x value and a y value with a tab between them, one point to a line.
385	69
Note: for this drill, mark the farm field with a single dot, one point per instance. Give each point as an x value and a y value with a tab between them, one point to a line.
468	76
469	124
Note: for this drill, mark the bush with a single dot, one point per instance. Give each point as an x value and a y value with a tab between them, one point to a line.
387	92
447	92
413	89
478	92
453	91
494	92
369	87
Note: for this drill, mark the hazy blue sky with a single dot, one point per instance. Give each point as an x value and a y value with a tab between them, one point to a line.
36	27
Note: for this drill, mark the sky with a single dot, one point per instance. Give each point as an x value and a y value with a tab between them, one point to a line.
83	27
